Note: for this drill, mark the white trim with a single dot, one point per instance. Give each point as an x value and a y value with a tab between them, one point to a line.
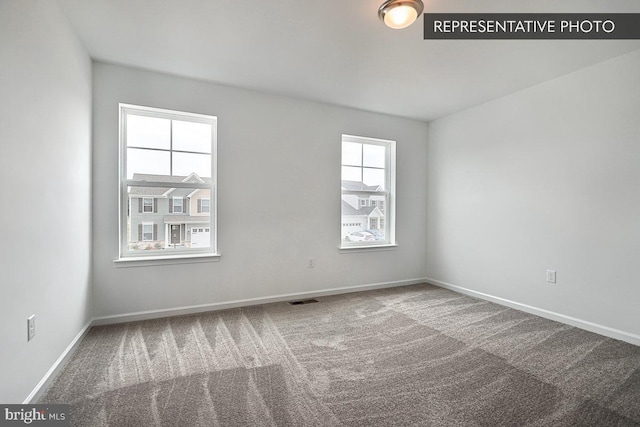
58	365
562	318
193	309
152	260
372	248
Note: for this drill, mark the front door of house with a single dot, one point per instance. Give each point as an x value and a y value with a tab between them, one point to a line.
175	234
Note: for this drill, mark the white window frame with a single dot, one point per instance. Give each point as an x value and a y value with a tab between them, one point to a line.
389	194
125	254
181	200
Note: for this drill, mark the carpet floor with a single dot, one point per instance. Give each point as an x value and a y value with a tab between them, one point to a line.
416	355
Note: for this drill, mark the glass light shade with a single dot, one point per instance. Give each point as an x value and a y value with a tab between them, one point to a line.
398	14
400	17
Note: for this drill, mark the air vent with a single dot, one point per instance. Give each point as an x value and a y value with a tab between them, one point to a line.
303	301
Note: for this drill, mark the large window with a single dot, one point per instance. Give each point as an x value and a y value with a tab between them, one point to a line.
167	167
368	192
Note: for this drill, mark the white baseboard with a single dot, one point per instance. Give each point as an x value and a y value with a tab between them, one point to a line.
572	321
57	367
193	309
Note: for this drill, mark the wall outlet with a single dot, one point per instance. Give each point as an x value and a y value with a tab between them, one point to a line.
551	276
31	327
312	263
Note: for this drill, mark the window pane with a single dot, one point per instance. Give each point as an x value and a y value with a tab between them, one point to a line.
149	132
191	136
351	154
374	155
351	174
141	161
162	230
361	221
187	163
373	177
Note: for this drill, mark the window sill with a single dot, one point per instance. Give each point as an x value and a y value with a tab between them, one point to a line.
148	261
371	248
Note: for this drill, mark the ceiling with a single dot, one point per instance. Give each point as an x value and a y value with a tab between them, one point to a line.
337	52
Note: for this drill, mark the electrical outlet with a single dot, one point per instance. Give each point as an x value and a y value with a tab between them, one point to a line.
31	327
312	263
551	276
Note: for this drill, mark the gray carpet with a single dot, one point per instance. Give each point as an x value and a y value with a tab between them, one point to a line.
417	355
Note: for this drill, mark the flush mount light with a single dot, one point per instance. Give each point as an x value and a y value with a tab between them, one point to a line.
399	14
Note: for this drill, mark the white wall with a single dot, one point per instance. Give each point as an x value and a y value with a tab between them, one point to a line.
279	196
545	178
45	134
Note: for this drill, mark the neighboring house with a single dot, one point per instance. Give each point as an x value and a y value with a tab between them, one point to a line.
362	211
169	217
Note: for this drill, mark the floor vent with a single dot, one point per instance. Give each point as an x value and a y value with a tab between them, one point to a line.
303	301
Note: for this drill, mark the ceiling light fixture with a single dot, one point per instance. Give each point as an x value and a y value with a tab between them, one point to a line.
399	14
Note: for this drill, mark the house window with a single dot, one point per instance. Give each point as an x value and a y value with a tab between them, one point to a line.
147	232
147	204
204	205
177	204
167	159
368	186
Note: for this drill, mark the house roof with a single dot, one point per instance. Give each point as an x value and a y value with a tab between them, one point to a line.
186	219
349	210
359	186
160	191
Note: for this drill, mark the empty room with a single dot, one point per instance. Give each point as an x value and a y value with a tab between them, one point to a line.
320	213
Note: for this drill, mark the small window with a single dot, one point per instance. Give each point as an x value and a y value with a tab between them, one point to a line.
147	205
368	191
147	232
205	205
177	204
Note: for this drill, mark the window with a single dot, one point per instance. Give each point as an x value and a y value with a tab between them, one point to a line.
147	232
167	160
147	204
177	204
204	205
368	191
